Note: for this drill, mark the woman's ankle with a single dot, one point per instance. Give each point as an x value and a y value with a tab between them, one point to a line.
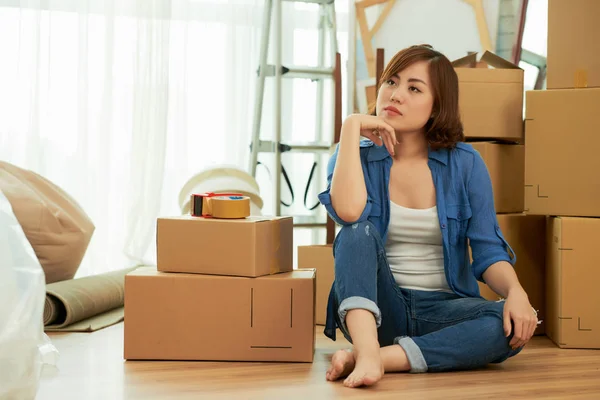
363	330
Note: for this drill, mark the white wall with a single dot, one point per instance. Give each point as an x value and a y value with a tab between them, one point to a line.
448	25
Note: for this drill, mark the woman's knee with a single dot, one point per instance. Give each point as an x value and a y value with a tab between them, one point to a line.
359	234
495	330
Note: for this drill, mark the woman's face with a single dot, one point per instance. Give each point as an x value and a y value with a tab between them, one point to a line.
405	100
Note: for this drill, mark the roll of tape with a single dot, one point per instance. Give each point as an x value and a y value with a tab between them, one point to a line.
230	206
220	205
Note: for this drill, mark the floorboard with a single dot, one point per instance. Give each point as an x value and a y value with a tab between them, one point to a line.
91	366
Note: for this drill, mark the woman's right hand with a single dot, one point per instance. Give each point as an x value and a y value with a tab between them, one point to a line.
376	129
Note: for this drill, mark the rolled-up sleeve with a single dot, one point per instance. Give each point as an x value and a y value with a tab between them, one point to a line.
487	242
325	196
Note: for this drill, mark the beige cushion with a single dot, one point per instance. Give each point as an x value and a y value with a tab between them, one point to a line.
56	226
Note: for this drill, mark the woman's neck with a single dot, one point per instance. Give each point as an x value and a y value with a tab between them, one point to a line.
412	146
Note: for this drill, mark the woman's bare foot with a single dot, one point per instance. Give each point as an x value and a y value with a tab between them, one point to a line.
368	370
342	363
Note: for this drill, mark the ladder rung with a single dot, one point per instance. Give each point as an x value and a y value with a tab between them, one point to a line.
312	1
268	146
301	72
309	146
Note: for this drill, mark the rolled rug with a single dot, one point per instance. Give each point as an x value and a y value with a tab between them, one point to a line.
86	304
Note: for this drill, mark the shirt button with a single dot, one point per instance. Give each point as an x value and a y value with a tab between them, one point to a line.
443	226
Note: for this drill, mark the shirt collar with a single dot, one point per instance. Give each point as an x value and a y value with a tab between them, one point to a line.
440	155
378	153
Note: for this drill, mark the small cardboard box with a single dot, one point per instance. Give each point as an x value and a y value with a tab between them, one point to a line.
526	234
208	317
572	282
506	166
321	258
561	156
573	32
253	246
490	99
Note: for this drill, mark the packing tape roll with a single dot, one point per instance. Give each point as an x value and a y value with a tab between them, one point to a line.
229	206
222	205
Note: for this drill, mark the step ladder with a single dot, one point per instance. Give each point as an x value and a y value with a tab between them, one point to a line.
323	143
509	15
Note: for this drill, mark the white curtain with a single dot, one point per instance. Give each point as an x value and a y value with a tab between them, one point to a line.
119	102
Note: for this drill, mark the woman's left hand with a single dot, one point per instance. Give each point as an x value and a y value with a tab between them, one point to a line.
518	309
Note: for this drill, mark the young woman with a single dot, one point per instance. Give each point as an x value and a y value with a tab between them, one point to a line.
411	199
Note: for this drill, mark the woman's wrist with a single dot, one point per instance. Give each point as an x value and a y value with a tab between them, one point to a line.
516	288
351	127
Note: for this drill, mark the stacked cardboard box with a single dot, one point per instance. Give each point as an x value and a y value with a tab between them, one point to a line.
319	257
491	105
561	164
222	290
491	98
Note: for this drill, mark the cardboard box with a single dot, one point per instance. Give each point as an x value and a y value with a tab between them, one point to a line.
572	282
209	317
506	165
561	160
573	32
526	234
490	99
321	258
253	246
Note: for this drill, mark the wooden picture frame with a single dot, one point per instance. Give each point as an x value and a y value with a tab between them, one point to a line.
367	33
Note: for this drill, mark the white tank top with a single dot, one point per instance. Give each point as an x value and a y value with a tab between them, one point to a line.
414	249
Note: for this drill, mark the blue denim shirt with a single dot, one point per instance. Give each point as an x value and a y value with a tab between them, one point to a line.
465	204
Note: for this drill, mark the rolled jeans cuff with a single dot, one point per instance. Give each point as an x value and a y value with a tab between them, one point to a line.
413	353
356	302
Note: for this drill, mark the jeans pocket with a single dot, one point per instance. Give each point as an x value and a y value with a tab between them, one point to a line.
458	220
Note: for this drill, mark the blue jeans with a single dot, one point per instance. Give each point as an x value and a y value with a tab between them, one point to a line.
438	331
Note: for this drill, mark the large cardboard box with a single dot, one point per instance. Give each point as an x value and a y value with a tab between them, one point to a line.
572	282
526	234
506	166
208	317
321	258
490	99
561	156
573	32
253	246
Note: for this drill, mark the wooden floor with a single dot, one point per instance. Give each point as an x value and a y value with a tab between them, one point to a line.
91	366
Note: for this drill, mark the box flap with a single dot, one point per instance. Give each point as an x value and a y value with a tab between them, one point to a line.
496	61
467	60
487	57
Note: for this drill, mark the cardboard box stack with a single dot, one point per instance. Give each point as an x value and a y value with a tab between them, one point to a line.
491	99
222	290
491	105
321	258
561	164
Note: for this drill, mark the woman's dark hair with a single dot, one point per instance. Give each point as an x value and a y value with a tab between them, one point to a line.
445	128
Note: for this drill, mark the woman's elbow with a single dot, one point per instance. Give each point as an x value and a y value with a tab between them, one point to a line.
349	212
350	216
